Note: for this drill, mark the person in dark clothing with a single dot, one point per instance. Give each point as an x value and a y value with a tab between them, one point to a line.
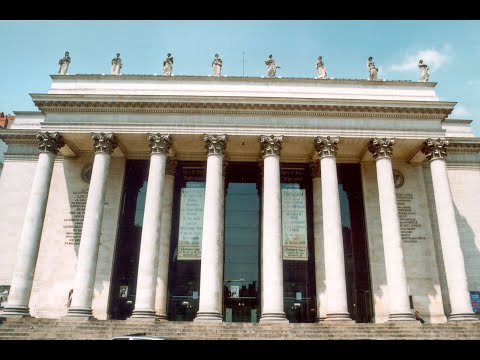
418	318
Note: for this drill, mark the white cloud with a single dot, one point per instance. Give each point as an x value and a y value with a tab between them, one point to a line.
460	111
435	59
473	82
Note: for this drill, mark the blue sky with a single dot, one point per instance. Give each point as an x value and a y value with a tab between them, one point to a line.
30	51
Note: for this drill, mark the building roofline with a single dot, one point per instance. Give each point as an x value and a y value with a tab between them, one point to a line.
457	121
192	78
23	113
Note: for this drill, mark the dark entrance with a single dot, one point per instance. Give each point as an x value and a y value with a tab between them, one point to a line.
355	243
127	251
242	251
242	235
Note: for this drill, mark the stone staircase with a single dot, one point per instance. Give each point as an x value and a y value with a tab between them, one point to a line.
66	329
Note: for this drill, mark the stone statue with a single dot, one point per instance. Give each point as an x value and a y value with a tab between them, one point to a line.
168	65
272	67
321	70
424	71
63	64
116	65
373	71
217	66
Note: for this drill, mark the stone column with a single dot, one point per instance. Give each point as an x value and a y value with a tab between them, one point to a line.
84	283
164	253
435	150
21	288
149	245
337	307
272	256
320	283
211	271
392	240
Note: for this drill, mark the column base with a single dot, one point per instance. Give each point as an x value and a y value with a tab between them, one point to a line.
161	317
319	319
275	318
79	312
401	317
142	315
343	317
212	317
19	311
460	317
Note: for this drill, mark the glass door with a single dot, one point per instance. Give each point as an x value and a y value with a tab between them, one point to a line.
242	229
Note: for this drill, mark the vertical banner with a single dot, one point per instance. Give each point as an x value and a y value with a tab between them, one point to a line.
191	223
294	224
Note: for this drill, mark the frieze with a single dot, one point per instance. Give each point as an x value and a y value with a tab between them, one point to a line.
235	108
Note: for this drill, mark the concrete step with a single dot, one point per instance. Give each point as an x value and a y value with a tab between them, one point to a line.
32	328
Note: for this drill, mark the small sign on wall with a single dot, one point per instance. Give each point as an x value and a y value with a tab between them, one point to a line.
124	291
475	299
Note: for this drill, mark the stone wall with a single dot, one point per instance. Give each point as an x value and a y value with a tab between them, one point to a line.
15	186
417	239
58	253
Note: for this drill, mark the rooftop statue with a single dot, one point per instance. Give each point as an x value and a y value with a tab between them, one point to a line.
373	71
116	65
168	65
424	71
272	66
217	66
63	64
321	70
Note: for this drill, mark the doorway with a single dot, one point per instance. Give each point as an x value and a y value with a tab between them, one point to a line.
242	235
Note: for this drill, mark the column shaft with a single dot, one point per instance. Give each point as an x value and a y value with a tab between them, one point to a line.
164	254
27	253
272	257
320	281
29	245
149	246
392	242
88	251
211	273
337	308
84	282
450	240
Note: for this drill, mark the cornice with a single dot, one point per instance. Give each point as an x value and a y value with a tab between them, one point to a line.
463	144
19	136
239	105
192	78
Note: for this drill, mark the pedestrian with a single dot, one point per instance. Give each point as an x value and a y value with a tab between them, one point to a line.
69	300
418	318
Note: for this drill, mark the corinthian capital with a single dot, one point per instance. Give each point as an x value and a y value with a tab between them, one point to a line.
435	148
49	142
271	145
105	143
381	148
171	167
215	144
159	143
315	169
326	146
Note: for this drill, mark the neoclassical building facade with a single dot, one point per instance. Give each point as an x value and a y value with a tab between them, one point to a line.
240	199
